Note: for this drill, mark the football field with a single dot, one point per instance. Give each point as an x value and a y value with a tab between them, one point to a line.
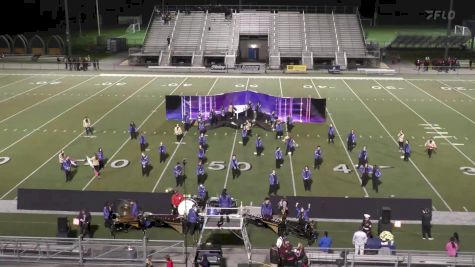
41	114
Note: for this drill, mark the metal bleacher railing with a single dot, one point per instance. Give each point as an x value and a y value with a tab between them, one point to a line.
88	251
387	257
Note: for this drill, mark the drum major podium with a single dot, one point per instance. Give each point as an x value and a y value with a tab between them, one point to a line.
236	224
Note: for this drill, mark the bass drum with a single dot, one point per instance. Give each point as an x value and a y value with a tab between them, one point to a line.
185	205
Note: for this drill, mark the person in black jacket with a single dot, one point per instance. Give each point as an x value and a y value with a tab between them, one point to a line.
426	218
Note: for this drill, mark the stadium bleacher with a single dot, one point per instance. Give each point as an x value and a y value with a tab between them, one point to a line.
427	41
219	28
188	33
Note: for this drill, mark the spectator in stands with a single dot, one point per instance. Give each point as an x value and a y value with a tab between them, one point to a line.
470	64
168	40
359	241
372	245
169	261
426	218
301	255
148	262
451	247
274	256
107	213
325	242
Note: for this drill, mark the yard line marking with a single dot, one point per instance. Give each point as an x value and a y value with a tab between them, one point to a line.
440	101
422	118
230	158
36	87
168	163
343	143
465	209
44	100
212	86
394	140
433	208
292	172
247	84
143	122
458	91
8	84
281	93
68	144
54	118
437	132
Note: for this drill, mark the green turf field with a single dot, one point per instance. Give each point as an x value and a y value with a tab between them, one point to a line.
42	114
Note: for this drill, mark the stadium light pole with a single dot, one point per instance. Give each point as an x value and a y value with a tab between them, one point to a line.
98	20
449	18
68	35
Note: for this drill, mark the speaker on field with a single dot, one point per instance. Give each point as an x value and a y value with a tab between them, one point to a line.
385	215
63	227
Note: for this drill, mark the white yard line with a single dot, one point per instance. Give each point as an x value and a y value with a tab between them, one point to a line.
176	148
17	81
68	144
46	99
458	91
436	99
140	126
29	90
425	121
394	140
57	116
342	143
230	158
280	86
292	173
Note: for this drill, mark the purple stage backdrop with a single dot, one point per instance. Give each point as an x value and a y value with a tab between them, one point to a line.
302	109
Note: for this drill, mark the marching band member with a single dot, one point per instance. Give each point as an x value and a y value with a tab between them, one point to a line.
365	170
235	167
430	147
144	162
201	153
86	124
400	140
279	132
273	183
201	127
259	146
375	177
289	145
366	225
199	117
273	119
202	192
178	133
95	166
331	134
202	140
100	156
132	130
351	140
186	121
176	199
66	166
84	222
307	178
107	214
213	117
192	220
303	214
244	135
266	209
317	158
178	172
61	158
142	142
290	123
225	201
162	151
200	172
363	157
248	126
283	207
278	158
407	151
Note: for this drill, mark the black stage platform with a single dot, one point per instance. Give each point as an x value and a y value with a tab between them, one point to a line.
321	207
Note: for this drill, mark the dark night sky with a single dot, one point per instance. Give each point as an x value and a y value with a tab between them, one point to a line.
48	15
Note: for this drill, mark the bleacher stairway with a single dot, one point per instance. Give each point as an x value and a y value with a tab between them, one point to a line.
157	35
289	27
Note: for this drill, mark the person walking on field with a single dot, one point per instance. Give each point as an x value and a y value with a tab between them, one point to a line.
431	147
86	123
400	140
